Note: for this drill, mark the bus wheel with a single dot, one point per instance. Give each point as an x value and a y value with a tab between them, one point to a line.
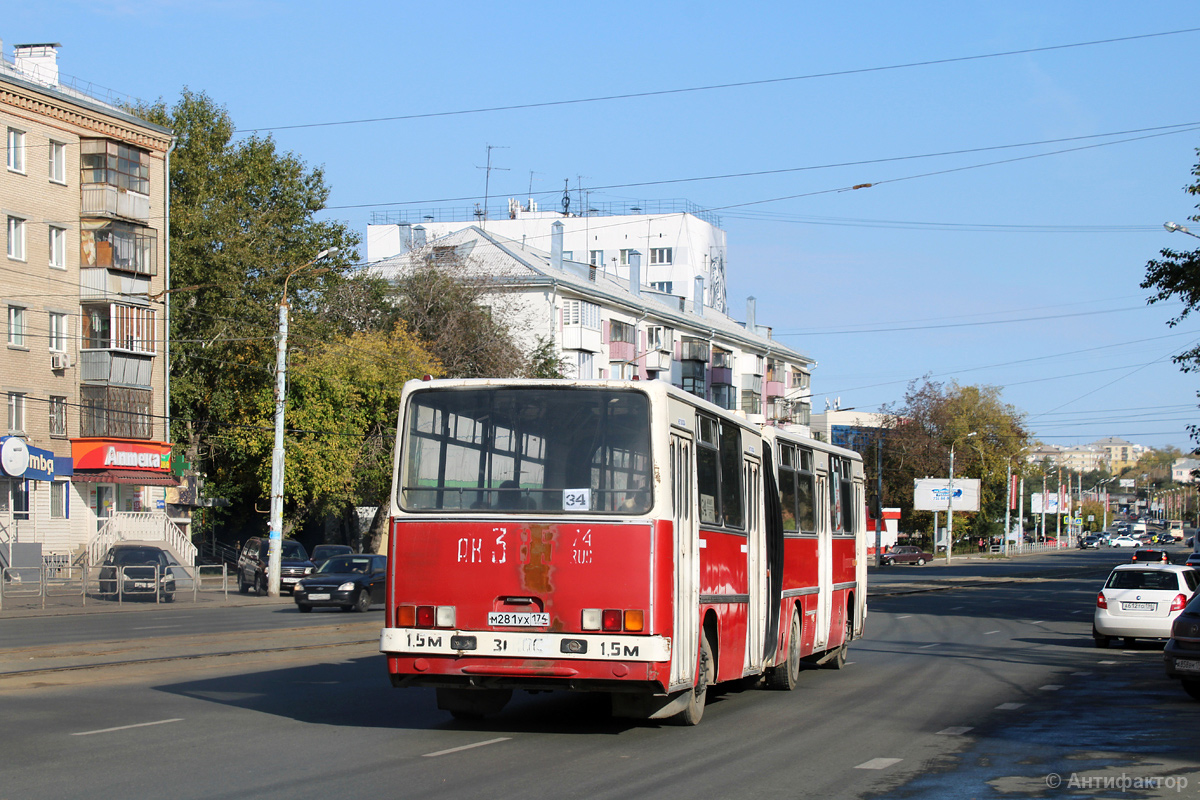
787	675
705	674
839	658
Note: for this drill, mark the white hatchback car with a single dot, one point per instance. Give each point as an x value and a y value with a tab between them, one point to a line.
1141	601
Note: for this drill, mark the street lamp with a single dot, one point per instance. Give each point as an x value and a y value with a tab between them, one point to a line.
276	524
1175	226
950	499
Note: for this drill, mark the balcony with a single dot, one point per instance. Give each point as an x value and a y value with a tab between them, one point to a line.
577	337
722	376
103	284
658	361
752	383
622	351
109	201
774	389
115	367
693	350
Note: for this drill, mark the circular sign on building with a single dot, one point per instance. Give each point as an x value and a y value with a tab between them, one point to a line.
14	456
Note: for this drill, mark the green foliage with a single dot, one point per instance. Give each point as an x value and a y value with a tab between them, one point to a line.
544	360
242	217
917	442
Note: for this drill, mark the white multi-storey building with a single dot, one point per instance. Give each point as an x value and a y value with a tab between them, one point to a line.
607	326
679	241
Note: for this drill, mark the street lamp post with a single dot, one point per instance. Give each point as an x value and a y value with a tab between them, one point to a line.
1175	226
950	500
276	523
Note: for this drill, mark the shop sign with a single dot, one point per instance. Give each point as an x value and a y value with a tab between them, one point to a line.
14	456
121	454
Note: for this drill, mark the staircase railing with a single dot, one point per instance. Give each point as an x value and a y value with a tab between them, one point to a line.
143	526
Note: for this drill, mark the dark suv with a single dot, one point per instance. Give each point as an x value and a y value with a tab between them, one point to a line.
255	555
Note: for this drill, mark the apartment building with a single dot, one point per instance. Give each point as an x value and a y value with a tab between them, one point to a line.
610	327
678	240
84	199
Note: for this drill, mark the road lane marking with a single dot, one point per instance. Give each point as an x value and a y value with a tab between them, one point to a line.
1038	622
127	727
1050	687
927	646
904	616
879	763
989	633
1079	611
467	747
955	731
1107	663
1009	706
958	608
156	627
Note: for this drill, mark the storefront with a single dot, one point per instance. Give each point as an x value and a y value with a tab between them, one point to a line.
122	475
36	499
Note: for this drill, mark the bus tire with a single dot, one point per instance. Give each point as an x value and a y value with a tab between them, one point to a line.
787	675
693	712
839	656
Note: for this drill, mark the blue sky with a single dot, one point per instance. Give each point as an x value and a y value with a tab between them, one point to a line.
1022	275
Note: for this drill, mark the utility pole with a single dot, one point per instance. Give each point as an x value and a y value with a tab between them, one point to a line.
487	178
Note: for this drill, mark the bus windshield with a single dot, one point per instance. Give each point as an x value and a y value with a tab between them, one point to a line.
527	449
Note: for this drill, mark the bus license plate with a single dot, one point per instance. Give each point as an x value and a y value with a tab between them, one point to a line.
521	619
1138	606
1186	665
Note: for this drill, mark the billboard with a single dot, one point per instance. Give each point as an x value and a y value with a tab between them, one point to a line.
932	494
1049	503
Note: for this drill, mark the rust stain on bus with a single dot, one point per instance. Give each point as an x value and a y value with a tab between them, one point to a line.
538	558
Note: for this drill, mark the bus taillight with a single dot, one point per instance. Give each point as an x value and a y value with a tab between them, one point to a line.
613	619
425	616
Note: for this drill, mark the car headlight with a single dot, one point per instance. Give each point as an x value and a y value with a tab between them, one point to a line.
346	587
308	570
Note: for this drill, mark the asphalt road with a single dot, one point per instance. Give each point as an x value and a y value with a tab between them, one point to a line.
974	680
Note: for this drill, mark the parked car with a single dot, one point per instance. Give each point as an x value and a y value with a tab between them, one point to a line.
1140	601
906	554
253	561
322	552
142	570
1181	656
1150	556
1125	541
351	583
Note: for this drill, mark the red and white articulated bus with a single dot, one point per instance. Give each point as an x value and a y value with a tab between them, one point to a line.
613	536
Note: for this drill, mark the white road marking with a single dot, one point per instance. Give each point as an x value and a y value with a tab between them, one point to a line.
904	616
467	747
1037	622
156	627
989	633
958	608
879	763
1080	611
1009	706
1050	687
956	731
1108	663
127	727
927	646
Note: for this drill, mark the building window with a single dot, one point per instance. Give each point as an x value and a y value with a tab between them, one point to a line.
661	255
58	162
115	164
666	287
624	262
116	412
58	247
58	416
16	326
568	255
58	332
58	499
16	238
692	374
722	359
751	402
723	395
16	412
621	332
596	258
581	312
16	150
660	337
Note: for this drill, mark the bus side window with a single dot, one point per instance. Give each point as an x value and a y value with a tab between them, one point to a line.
708	480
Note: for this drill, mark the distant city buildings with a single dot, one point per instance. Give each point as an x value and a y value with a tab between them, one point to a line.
1110	454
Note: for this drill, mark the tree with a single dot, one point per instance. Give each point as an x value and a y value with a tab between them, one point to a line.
453	311
920	432
1177	275
243	215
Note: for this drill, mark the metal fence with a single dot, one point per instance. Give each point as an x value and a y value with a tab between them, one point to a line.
61	585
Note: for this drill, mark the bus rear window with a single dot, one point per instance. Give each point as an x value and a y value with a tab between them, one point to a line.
527	450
